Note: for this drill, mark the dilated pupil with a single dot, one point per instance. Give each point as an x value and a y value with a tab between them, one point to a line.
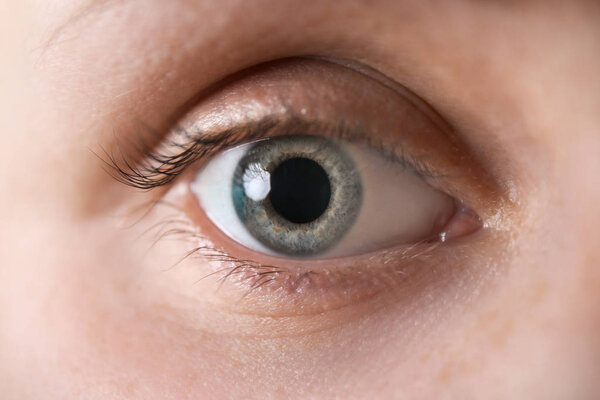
300	190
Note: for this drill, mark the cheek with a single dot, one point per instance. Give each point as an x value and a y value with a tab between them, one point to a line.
122	330
82	327
93	328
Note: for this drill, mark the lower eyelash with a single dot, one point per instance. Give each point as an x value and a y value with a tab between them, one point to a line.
254	277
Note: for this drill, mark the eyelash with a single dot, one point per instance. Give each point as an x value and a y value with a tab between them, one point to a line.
158	168
254	275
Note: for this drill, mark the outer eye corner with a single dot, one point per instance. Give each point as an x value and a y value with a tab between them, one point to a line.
463	222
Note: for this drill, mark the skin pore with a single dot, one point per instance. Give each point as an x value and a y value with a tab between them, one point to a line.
93	306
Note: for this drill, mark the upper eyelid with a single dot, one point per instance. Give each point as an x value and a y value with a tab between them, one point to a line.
408	137
154	169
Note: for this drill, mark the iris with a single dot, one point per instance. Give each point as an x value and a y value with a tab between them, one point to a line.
297	194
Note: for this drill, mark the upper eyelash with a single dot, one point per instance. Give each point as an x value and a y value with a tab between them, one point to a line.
158	168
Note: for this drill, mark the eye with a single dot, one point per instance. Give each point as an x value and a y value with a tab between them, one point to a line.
304	186
303	195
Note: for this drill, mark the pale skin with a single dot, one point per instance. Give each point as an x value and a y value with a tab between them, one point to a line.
90	309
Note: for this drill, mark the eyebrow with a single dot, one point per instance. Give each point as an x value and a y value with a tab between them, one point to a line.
98	6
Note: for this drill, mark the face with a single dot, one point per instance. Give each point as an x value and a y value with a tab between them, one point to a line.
267	199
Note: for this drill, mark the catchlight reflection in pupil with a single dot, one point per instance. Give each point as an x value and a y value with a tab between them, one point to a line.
300	190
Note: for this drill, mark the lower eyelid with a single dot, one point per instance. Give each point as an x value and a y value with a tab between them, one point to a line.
261	285
311	288
410	281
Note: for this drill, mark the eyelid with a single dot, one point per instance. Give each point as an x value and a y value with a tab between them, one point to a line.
316	94
186	144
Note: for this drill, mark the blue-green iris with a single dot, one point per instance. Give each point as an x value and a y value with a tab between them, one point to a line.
297	194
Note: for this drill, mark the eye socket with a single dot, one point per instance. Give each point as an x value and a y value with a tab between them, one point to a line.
309	196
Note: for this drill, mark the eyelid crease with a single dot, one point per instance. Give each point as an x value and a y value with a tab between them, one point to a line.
423	106
173	156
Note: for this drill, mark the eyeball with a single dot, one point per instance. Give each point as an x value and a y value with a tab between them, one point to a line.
310	196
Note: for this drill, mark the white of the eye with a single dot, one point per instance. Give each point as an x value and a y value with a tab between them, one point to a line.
257	182
398	206
213	188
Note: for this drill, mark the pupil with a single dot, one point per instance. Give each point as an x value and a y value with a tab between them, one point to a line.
300	190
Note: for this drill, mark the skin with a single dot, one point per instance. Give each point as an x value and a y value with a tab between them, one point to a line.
85	312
